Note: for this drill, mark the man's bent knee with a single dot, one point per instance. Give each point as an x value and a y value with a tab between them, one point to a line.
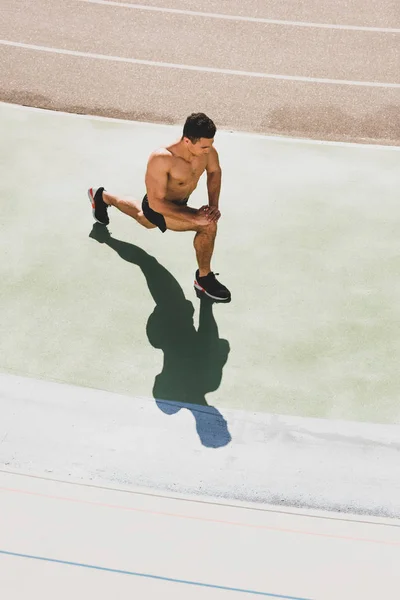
210	228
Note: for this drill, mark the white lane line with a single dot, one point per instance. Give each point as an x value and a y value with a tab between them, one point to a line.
151	63
193	13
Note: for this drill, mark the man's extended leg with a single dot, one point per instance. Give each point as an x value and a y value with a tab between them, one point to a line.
101	200
130	207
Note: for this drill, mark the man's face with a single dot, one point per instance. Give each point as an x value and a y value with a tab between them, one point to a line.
202	146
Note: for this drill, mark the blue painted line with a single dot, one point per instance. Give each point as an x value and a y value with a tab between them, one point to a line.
146	575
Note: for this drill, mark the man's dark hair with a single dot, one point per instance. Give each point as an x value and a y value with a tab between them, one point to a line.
197	126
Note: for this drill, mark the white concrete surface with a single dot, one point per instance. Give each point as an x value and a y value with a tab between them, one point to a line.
90	435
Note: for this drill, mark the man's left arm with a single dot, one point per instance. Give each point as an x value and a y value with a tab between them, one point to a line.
214	175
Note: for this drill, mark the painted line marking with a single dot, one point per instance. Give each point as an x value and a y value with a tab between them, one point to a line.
130	122
193	13
196	518
151	63
148	576
196	500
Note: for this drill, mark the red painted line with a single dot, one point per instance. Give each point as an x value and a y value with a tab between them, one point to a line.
201	519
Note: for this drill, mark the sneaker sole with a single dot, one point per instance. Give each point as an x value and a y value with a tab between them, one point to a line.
91	200
200	289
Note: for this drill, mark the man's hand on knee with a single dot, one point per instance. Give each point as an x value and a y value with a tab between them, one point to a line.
213	213
207	217
208	214
202	217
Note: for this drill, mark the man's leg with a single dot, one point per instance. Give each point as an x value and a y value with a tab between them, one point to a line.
204	246
204	240
130	207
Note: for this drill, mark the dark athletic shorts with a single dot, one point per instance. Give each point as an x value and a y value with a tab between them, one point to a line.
155	217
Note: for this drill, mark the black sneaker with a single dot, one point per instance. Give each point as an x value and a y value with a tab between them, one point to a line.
99	207
212	287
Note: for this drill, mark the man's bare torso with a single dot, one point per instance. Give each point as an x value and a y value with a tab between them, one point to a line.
183	175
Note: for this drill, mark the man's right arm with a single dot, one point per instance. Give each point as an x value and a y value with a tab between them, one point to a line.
156	184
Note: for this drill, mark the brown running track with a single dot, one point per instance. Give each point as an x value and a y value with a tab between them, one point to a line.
322	110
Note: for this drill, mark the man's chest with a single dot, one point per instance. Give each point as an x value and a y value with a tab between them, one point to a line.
184	172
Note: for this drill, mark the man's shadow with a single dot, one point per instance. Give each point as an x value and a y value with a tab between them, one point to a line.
193	360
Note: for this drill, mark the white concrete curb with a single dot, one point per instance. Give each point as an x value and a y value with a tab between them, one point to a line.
66	432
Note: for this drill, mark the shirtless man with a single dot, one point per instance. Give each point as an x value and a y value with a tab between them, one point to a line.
172	175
